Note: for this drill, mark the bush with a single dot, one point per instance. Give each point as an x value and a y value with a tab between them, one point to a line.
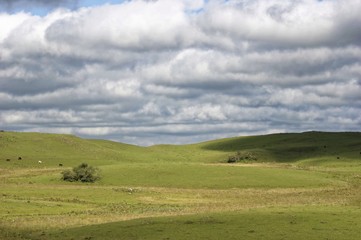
69	176
82	173
242	156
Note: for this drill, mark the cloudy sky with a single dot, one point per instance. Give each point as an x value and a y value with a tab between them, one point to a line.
179	71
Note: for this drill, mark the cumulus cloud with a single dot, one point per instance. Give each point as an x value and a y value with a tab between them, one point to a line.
285	23
181	71
138	26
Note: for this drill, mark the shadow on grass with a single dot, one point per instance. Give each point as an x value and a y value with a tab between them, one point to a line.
291	147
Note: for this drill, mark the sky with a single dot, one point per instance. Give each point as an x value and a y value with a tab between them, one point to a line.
179	71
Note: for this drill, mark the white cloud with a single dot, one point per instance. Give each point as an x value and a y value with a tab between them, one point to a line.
94	131
122	88
287	23
206	112
137	25
150	71
10	22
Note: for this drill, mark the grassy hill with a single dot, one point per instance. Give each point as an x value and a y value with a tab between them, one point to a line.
305	183
52	149
291	147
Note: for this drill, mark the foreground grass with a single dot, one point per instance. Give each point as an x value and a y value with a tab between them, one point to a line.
274	223
45	205
255	214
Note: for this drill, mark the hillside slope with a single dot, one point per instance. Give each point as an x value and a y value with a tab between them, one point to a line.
292	147
52	149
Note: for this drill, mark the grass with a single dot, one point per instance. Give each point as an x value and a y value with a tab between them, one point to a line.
292	147
211	176
190	176
53	149
304	185
283	223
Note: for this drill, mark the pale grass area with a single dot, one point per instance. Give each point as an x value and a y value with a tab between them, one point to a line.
143	202
63	221
5	174
160	202
267	165
251	164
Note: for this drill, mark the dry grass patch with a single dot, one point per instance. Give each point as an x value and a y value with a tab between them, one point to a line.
153	202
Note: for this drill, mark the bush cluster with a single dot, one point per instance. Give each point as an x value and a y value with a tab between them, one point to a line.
81	173
242	156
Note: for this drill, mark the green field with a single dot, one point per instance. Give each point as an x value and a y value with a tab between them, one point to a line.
299	186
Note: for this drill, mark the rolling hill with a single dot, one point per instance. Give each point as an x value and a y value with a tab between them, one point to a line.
307	147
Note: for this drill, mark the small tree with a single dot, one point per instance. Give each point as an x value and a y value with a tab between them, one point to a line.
82	173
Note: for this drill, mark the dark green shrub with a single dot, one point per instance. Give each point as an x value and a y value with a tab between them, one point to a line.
242	156
69	176
82	173
232	159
